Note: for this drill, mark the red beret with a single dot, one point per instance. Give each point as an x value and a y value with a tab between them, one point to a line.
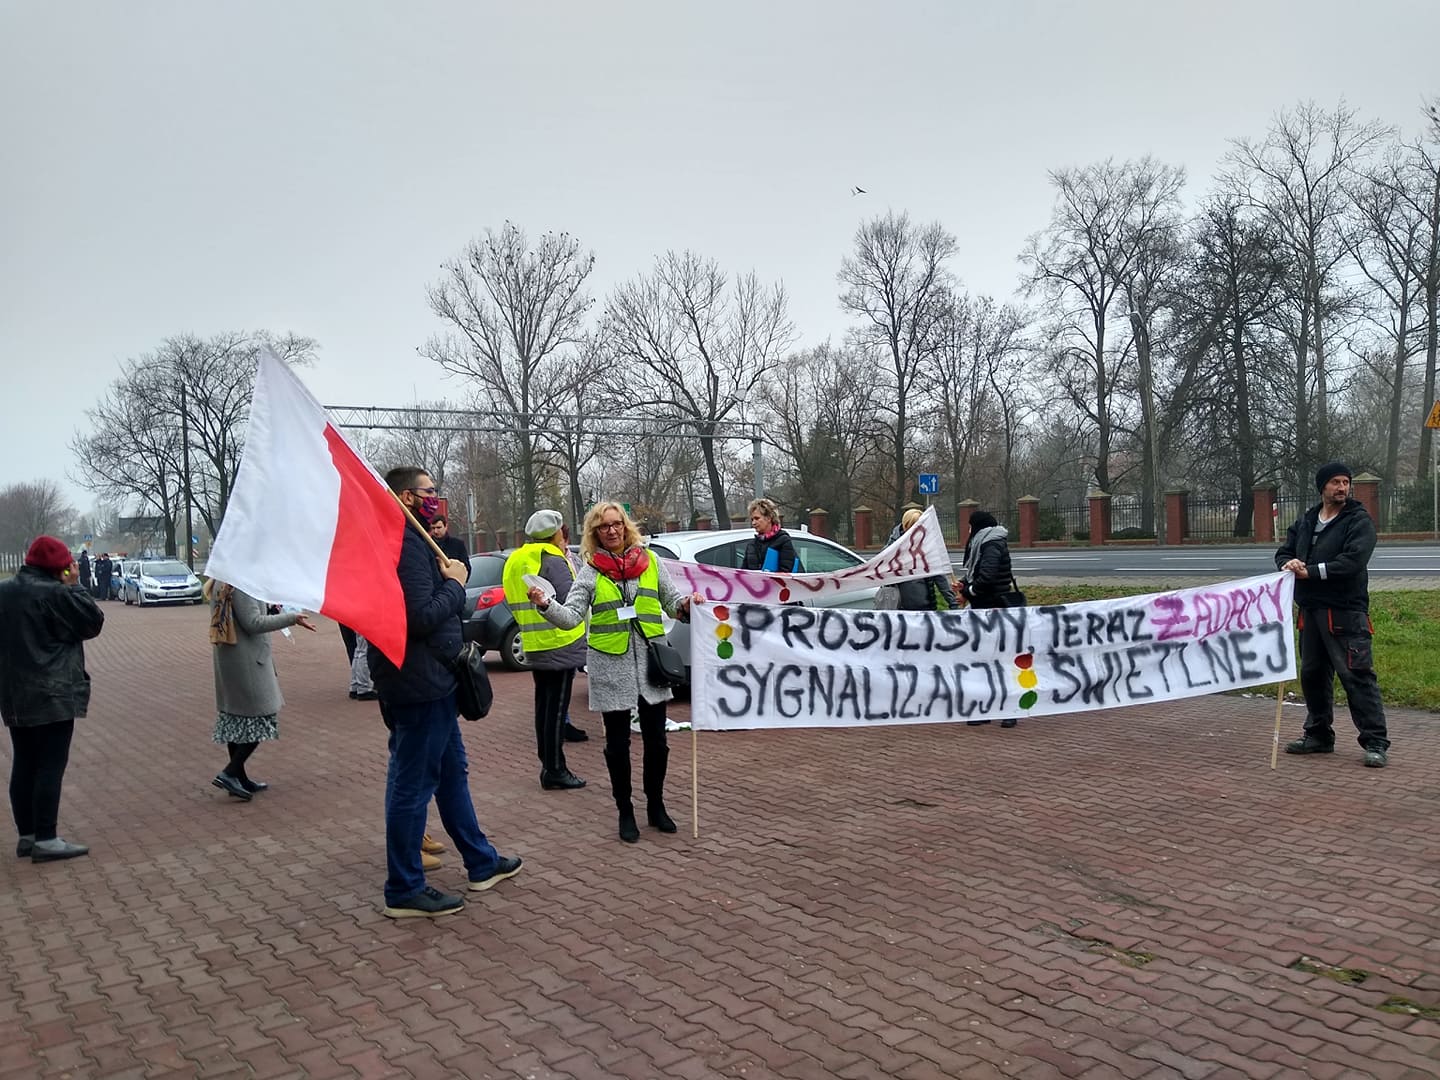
47	553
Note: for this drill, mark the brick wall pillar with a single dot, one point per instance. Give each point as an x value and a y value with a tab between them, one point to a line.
501	536
1177	516
672	524
864	526
703	522
1099	517
1366	488
1029	509
820	521
1263	503
963	509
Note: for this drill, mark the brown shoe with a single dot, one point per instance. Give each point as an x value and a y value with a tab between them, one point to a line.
431	845
429	862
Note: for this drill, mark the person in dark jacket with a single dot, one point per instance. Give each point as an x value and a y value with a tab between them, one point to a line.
1328	550
924	594
45	618
554	655
87	581
771	548
449	543
104	568
986	575
417	703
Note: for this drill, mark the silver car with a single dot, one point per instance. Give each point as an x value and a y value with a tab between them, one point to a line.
817	555
159	581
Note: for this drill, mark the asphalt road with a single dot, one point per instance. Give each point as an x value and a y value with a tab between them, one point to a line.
1211	561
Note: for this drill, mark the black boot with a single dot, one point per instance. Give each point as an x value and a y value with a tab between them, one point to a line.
555	775
656	759
618	762
629	831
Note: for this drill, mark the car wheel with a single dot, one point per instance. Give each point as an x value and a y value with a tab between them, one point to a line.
512	652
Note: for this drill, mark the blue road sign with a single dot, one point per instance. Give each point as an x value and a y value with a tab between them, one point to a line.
929	483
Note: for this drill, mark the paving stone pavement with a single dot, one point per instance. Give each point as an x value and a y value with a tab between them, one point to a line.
1117	894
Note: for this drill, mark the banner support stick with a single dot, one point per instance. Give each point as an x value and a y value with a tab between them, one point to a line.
694	781
1275	747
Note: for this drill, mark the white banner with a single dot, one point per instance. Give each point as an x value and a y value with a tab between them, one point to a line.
919	552
764	666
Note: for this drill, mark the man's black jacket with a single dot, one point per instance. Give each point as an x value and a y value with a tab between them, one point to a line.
1336	559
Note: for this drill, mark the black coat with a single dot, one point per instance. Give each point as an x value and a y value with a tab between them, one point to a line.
992	574
756	549
43	624
84	565
454	547
923	594
433	604
1337	560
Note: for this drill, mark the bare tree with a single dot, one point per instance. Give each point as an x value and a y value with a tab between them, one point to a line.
974	341
1296	176
897	285
511	312
29	510
1387	239
822	416
1105	217
695	346
133	446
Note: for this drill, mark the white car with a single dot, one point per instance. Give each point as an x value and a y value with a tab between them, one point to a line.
159	581
727	548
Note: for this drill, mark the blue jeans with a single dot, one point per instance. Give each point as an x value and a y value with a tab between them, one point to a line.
427	758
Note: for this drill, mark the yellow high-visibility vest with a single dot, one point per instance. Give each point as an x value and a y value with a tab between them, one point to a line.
536	634
610	634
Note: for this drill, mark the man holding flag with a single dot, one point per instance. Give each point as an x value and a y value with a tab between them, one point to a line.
417	701
303	552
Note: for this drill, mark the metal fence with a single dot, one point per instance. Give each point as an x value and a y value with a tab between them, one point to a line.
10	561
1407	508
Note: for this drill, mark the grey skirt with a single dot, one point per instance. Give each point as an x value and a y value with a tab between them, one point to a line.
245	729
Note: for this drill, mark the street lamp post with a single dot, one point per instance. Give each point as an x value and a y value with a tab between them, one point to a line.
185	473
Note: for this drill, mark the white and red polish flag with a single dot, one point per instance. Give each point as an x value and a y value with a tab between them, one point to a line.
310	523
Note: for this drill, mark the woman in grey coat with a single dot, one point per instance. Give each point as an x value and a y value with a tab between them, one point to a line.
247	691
622	588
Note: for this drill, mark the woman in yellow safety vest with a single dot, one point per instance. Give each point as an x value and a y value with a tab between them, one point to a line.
624	589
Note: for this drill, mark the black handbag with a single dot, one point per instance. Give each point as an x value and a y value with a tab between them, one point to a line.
1013	598
666	668
663	664
473	695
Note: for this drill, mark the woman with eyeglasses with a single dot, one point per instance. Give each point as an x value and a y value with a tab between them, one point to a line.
623	589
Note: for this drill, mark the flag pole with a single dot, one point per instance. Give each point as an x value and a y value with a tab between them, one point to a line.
694	781
422	530
1279	701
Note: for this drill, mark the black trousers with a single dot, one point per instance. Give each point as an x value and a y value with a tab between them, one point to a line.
41	754
1332	643
656	752
552	692
348	636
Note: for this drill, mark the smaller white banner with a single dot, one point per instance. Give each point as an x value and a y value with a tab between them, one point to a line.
918	552
765	666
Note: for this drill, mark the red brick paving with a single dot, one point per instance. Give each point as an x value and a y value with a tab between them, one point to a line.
913	902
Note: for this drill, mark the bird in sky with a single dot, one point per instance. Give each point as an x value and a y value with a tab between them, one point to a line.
857	191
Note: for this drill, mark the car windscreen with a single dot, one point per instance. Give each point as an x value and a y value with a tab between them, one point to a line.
661	550
169	568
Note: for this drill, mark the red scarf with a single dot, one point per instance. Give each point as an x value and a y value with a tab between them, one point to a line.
774	529
624	567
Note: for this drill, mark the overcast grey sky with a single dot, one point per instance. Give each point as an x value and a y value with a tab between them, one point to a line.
180	166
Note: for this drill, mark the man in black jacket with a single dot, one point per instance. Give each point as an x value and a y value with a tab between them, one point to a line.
452	545
417	702
45	619
1328	550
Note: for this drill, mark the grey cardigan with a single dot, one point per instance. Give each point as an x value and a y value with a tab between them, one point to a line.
245	680
616	681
